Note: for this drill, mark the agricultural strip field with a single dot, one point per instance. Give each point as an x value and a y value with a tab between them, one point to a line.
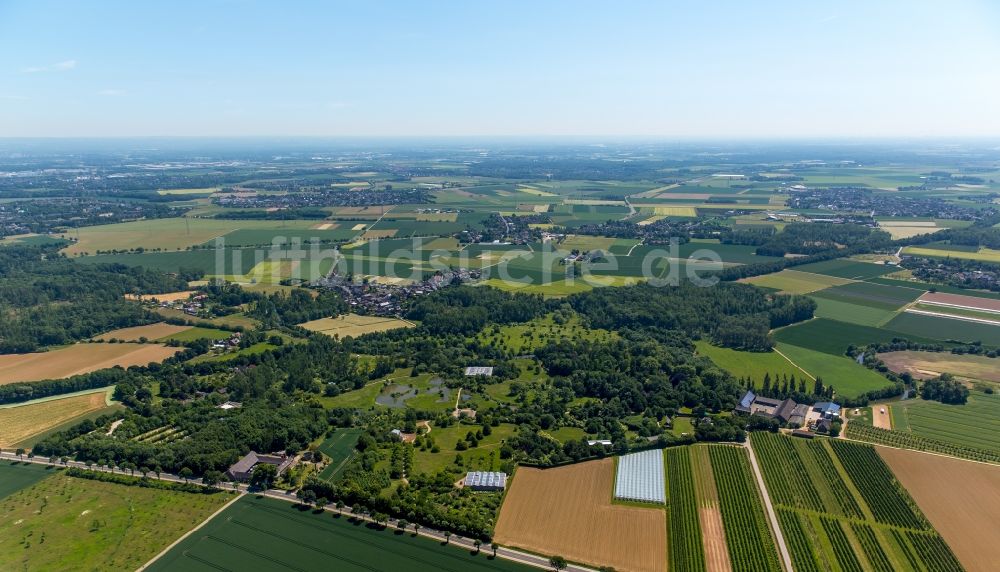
868	295
568	511
846	268
851	313
197	333
751	365
16	476
165	233
848	378
796	282
982	255
93	525
77	359
748	536
905	440
354	325
25	421
686	550
340	448
942	328
960	301
974	424
961	499
151	332
925	365
840	508
265	535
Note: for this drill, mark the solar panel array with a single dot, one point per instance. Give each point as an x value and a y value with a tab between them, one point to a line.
640	477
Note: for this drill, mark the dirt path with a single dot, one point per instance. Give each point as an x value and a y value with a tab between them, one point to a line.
879	419
777	351
713	533
786	558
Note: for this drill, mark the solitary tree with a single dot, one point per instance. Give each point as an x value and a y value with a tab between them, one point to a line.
185	473
416	528
321	502
558	562
447	536
495	546
401	524
477	543
20	453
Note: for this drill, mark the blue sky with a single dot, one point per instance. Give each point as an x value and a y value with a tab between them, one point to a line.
667	69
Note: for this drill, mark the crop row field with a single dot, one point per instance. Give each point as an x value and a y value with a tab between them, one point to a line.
271	535
975	423
840	507
904	440
686	550
339	447
748	536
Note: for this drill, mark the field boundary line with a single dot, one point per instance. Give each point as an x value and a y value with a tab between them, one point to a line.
772	517
953	317
189	533
797	366
107	389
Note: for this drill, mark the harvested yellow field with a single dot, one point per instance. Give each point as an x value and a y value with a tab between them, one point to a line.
165	297
651	220
685	196
960	498
568	511
23	422
906	231
384	233
354	325
188	191
675	211
165	233
359	226
325	226
796	282
925	365
77	359
534	191
150	332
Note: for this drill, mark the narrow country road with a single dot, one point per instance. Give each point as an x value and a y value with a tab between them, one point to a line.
778	536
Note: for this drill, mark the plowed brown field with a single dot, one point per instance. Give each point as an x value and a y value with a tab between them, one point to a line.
567	511
77	359
960	498
713	534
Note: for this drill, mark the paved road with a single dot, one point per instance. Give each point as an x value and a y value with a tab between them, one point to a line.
779	537
468	543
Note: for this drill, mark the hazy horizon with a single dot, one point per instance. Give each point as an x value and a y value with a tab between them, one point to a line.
775	70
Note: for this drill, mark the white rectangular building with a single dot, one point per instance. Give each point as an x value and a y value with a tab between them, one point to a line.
640	477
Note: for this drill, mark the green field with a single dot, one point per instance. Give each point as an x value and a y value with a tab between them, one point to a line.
845	268
851	313
263	534
197	333
66	523
982	255
848	378
752	365
974	424
868	295
940	328
339	447
833	337
15	476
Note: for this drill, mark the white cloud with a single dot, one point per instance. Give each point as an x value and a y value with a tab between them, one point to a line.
113	92
58	67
